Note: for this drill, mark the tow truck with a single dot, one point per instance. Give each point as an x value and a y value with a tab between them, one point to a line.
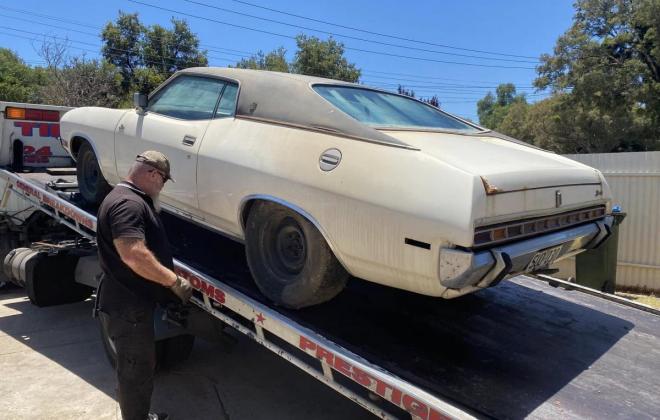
524	349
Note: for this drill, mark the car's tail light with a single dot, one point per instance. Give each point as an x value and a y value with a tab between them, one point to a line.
504	232
15	113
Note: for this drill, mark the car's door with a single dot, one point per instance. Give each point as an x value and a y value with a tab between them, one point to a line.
174	123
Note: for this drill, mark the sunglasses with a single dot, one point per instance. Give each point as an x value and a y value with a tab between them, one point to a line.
163	176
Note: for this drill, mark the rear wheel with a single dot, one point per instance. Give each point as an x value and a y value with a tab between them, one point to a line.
93	187
289	259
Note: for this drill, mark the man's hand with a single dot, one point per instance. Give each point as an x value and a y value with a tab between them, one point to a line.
182	289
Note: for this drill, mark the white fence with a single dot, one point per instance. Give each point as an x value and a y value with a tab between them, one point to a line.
635	182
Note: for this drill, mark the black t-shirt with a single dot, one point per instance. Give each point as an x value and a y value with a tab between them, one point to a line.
127	212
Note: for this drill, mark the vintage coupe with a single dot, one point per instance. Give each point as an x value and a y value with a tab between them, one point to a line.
322	179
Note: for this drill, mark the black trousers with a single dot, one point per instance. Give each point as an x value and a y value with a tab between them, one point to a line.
132	332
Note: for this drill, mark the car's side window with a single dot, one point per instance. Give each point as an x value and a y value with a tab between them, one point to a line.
227	106
188	98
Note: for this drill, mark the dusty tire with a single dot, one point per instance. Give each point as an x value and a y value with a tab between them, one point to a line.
93	187
289	259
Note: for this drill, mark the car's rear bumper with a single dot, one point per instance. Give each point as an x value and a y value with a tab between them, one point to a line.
459	269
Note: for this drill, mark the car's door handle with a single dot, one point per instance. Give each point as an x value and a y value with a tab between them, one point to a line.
188	140
121	127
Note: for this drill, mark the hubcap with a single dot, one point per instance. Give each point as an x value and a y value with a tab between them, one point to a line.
290	247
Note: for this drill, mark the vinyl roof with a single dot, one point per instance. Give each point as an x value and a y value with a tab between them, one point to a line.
289	98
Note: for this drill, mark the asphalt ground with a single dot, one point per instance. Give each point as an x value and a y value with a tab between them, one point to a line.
52	366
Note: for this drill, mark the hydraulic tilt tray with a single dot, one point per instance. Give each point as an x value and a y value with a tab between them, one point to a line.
521	349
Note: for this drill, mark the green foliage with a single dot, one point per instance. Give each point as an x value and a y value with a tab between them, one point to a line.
492	110
147	55
273	61
18	81
607	65
324	59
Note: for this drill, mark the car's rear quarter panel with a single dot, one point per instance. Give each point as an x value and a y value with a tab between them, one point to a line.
366	207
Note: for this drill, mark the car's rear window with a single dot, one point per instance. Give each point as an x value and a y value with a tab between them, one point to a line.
381	109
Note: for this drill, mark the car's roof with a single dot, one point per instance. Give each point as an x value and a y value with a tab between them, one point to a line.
289	99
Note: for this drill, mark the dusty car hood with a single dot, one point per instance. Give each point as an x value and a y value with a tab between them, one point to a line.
504	165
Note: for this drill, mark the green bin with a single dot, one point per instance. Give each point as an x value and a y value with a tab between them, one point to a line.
596	268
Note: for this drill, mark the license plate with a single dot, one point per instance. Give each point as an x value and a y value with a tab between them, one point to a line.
543	258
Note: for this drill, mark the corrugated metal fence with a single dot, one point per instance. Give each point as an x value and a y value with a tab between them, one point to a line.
635	182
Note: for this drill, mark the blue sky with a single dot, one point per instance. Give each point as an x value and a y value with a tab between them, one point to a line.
507	34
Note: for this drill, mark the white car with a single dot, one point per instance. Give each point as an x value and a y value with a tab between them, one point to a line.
323	179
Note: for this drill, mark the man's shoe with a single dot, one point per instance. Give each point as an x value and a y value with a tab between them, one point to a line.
157	416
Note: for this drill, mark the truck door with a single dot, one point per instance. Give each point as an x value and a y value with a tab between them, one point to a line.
174	123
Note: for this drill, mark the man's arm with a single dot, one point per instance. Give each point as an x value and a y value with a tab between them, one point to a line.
135	254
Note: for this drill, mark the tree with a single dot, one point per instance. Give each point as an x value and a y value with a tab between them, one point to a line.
403	91
122	46
146	56
18	81
324	59
81	82
607	67
273	61
493	109
433	100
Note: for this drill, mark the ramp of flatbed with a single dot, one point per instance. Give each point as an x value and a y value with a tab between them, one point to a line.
520	349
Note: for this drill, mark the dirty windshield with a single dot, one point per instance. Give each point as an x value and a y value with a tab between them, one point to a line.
385	110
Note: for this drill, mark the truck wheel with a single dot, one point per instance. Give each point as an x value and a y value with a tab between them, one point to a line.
93	187
169	352
289	259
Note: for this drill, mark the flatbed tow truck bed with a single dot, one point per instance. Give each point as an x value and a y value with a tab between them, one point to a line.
521	349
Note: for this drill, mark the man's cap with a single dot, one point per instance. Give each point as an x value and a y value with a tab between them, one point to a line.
156	160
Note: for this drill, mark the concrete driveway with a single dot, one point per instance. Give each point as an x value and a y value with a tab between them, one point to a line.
52	366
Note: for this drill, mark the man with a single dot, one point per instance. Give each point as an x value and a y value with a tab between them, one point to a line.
137	265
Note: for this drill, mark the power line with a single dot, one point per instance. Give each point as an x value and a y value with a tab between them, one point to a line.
427	77
378	33
168	58
357	38
117	52
223	50
100	28
441	84
347	48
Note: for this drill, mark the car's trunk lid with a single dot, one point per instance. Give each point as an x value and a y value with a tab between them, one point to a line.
504	165
519	181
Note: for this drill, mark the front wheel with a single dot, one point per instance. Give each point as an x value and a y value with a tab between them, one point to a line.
289	259
93	187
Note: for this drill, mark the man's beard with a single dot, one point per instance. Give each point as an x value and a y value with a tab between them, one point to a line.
155	199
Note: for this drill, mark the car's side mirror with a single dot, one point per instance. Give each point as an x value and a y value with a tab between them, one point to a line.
140	100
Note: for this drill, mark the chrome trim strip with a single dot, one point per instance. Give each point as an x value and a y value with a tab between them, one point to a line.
324	131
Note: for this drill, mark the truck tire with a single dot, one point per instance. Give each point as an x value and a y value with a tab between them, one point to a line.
290	260
93	186
52	281
169	351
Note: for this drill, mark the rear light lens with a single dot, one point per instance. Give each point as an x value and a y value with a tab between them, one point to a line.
14	113
490	235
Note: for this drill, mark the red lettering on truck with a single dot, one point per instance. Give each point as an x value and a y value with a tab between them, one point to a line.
380	387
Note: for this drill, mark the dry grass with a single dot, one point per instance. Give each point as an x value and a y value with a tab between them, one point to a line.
651	300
